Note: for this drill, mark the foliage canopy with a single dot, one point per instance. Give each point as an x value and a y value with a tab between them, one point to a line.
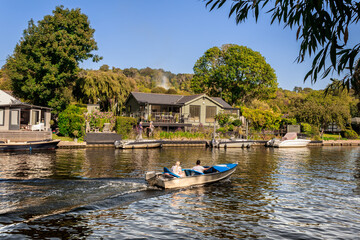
323	27
107	87
235	73
321	111
262	119
44	65
70	120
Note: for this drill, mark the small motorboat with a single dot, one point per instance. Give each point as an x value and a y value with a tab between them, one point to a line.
230	143
132	144
290	140
29	145
168	179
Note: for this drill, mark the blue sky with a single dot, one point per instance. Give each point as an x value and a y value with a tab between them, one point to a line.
165	34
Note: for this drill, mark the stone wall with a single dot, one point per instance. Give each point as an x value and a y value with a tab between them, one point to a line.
23	136
101	138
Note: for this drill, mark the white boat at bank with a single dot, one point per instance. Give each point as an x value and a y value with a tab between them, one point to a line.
134	144
231	143
290	140
167	179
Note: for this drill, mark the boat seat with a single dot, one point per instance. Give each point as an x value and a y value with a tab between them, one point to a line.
166	170
211	170
191	172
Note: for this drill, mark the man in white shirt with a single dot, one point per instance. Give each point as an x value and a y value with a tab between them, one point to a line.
198	167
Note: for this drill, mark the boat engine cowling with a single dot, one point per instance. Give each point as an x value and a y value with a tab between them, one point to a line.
214	143
149	175
118	143
270	143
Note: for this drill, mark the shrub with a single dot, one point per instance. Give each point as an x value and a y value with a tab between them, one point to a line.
158	90
71	120
237	123
221	130
350	134
181	135
97	119
124	125
306	128
222	118
311	131
171	91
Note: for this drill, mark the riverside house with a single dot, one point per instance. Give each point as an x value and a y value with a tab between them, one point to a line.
177	111
21	121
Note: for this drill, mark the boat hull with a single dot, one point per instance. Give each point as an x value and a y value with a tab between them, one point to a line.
167	183
235	144
239	143
29	146
291	143
137	144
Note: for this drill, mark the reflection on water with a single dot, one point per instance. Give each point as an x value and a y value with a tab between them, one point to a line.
305	193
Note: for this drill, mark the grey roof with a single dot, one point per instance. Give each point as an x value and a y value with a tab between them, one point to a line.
168	99
156	98
185	99
222	102
6	98
24	105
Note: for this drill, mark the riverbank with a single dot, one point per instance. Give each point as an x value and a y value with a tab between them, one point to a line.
205	143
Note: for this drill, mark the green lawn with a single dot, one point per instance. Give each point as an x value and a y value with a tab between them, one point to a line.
54	136
332	137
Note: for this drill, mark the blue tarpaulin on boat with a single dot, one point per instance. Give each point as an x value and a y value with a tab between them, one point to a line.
166	170
224	167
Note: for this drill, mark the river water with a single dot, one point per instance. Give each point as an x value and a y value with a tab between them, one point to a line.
100	193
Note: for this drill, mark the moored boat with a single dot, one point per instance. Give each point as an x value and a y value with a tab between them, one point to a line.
231	143
29	146
132	144
167	179
290	140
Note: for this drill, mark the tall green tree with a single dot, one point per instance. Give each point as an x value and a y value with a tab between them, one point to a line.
5	82
45	63
235	73
262	119
108	88
322	111
323	26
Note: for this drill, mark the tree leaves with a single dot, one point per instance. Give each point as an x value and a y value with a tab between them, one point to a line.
44	66
322	26
235	73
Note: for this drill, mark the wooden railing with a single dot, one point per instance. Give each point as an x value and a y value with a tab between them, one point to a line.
165	117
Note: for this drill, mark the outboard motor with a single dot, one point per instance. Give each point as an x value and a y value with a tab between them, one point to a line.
270	143
213	143
149	175
118	143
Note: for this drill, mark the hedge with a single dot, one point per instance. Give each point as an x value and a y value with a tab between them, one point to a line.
71	121
124	125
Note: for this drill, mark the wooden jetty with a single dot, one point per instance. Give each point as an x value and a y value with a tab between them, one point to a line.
198	143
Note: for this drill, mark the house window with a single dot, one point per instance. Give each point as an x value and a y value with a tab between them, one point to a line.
210	114
2	116
14	116
194	113
43	118
35	117
231	111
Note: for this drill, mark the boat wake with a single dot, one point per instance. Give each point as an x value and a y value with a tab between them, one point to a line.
24	201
